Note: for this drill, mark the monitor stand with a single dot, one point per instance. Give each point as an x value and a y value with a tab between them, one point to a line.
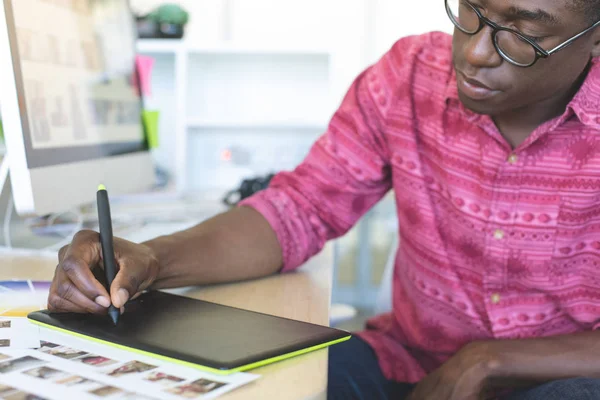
16	235
136	218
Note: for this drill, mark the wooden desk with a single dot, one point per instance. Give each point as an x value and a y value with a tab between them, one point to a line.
304	295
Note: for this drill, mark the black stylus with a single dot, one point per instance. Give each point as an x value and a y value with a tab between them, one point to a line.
106	241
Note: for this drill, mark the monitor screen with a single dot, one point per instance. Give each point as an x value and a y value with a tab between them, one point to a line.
74	63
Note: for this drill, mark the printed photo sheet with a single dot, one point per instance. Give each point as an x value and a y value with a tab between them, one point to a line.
67	367
18	333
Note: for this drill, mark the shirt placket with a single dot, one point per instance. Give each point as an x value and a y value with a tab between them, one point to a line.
500	225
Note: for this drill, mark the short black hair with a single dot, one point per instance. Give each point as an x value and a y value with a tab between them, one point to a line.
590	8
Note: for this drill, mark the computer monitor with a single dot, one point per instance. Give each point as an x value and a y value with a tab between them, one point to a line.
71	109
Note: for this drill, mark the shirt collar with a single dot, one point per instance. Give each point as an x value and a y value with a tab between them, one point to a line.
451	96
585	104
451	92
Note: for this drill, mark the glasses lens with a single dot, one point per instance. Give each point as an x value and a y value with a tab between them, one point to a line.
515	48
463	15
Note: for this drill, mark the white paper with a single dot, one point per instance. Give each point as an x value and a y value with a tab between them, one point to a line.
18	333
67	367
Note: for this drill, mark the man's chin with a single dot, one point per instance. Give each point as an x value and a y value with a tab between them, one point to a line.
482	107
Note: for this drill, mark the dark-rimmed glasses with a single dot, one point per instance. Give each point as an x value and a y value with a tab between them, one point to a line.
513	46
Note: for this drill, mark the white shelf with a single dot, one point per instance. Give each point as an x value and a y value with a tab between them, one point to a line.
174	46
287	125
159	45
219	95
250	49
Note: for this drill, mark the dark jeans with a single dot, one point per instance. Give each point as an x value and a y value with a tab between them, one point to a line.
354	374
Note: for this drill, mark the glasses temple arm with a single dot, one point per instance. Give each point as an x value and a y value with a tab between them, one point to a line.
573	39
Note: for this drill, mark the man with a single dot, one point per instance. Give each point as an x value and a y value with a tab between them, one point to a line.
491	141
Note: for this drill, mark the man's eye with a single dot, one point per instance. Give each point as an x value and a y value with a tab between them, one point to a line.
537	39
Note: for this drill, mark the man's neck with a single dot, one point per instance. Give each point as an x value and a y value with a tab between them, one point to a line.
516	125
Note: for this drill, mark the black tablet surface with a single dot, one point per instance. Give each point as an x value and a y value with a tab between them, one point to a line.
197	333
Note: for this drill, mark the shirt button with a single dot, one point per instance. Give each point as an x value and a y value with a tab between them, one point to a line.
513	159
499	234
495	298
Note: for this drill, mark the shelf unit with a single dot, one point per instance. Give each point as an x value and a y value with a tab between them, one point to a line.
262	102
202	129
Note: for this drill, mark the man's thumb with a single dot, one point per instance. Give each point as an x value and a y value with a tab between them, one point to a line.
121	289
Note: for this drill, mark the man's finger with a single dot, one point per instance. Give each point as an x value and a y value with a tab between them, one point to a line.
59	305
85	246
80	274
77	261
62	252
67	291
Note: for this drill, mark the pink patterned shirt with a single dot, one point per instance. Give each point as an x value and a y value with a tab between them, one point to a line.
495	243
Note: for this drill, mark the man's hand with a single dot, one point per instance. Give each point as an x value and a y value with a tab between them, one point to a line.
76	289
463	377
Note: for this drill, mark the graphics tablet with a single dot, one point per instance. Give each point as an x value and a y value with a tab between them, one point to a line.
197	333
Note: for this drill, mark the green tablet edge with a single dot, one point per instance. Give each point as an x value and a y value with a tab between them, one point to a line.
192	365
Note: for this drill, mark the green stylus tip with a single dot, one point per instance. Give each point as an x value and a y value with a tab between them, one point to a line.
101	187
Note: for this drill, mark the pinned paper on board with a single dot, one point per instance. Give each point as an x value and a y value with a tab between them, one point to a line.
151	123
144	66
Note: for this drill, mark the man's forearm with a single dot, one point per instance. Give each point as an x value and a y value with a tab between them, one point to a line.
545	359
233	246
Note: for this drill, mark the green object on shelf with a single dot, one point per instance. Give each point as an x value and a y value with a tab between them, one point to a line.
169	14
151	124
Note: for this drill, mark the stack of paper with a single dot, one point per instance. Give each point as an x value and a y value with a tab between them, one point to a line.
39	363
67	367
17	299
18	333
20	297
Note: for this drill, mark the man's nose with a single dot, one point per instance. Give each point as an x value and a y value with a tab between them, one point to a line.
479	50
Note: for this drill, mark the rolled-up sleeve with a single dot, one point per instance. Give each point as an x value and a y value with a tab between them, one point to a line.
345	173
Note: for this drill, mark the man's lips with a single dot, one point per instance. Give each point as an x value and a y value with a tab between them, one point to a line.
474	88
476	83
